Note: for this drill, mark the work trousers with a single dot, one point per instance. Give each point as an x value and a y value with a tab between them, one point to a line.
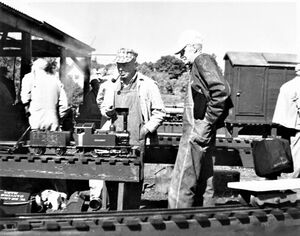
192	177
295	148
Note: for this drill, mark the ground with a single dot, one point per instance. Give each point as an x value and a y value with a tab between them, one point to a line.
155	193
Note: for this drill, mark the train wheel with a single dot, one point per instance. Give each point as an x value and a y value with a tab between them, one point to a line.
93	153
60	151
39	150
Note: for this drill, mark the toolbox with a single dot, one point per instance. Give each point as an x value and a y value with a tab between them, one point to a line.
12	202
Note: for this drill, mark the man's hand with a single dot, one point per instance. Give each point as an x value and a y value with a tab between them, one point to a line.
202	132
111	112
144	131
27	113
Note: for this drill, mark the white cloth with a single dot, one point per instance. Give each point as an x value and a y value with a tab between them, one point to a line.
287	108
52	199
287	114
295	149
47	98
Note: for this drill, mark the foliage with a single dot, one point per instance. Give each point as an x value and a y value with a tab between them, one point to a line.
168	72
13	64
75	97
181	84
170	64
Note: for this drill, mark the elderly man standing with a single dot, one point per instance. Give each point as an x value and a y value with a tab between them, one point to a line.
287	114
141	96
204	106
44	96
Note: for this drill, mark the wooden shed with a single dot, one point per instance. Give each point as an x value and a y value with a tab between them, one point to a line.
24	37
255	79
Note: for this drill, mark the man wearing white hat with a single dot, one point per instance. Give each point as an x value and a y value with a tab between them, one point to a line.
287	114
205	107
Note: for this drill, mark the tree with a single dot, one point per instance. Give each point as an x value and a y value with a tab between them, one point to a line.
75	94
181	84
170	64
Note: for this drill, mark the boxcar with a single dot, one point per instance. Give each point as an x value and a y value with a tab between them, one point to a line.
255	79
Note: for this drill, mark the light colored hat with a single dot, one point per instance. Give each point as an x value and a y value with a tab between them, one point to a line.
125	55
188	37
297	69
39	64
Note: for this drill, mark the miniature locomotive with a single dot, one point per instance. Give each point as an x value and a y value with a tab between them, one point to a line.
85	138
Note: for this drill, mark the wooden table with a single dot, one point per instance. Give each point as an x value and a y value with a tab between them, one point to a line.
72	167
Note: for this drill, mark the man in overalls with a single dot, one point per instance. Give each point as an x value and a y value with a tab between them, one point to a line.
140	94
204	106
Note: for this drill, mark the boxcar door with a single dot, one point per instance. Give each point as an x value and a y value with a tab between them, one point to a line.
250	92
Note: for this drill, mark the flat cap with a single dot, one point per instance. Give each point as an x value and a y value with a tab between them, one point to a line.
125	55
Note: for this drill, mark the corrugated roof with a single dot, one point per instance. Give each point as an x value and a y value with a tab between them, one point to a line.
23	22
262	59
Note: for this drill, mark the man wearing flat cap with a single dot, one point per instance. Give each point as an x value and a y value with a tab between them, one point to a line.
141	95
205	107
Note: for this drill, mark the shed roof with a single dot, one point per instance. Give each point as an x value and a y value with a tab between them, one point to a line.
262	59
50	39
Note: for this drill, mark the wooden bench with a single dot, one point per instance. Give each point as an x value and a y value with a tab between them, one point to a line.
266	185
268	191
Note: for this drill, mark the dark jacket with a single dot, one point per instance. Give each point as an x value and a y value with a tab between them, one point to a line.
211	92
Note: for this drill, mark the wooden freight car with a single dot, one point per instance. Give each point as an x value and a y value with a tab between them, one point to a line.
255	79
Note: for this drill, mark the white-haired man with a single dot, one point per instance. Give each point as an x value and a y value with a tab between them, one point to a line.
205	106
287	114
45	96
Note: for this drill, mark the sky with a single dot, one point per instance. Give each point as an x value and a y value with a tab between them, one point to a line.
153	27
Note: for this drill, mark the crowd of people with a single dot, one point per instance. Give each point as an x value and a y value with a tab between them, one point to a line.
206	105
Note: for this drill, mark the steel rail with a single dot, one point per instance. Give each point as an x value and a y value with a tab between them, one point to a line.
209	211
228	220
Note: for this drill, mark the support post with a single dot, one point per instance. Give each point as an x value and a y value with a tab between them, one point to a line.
26	54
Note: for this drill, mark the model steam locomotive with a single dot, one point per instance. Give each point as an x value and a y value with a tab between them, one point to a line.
84	139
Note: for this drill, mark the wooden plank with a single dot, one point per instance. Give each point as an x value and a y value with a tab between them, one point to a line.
57	168
121	186
266	185
104	197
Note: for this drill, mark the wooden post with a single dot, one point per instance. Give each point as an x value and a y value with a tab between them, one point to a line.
26	54
87	73
63	65
121	186
104	196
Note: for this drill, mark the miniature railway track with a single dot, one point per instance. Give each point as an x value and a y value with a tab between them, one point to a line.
220	220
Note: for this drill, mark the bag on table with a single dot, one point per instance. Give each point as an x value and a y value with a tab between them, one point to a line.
272	156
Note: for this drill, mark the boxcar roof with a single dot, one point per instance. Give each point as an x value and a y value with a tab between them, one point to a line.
262	59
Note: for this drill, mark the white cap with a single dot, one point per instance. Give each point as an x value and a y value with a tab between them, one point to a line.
188	37
297	69
39	64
